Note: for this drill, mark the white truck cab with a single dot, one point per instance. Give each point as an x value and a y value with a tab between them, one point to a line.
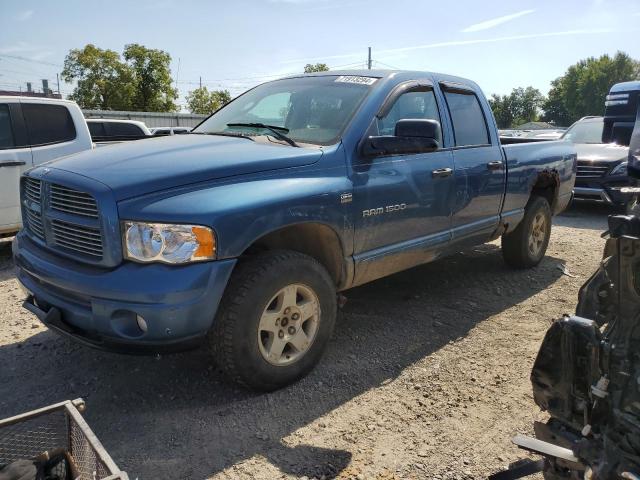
33	131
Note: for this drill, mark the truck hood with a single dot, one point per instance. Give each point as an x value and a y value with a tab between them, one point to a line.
140	167
601	152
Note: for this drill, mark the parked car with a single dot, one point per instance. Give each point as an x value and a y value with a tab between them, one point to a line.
106	131
240	233
33	131
545	134
163	131
602	167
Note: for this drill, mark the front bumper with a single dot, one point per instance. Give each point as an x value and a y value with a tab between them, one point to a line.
603	191
100	307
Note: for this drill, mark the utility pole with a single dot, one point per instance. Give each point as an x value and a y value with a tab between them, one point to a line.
58	81
201	82
369	60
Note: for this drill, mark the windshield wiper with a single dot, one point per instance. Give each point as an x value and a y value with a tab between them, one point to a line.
278	132
223	134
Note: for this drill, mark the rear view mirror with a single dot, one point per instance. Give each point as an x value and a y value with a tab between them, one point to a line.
411	136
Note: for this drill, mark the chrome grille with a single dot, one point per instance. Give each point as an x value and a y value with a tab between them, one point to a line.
68	200
32	189
592	169
34	222
85	240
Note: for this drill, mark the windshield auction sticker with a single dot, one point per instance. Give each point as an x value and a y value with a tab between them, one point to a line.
356	79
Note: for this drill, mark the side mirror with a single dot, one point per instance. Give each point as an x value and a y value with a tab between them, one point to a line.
411	136
418	128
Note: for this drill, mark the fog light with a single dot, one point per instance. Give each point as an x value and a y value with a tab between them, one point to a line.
142	324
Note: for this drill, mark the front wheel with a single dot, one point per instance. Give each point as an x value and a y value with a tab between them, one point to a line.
526	246
275	320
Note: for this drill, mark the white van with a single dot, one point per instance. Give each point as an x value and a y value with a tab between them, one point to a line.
33	131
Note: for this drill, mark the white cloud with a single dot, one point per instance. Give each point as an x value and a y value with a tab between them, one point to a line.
494	22
25	15
297	2
21	50
320	5
391	52
19	47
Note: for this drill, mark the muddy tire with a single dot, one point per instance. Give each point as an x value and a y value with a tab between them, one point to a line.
526	246
275	320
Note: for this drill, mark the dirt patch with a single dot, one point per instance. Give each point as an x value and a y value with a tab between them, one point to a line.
427	377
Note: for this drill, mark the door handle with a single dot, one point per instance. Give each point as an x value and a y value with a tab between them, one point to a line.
441	172
12	164
497	165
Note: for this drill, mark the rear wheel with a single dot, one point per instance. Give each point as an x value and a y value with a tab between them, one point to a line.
526	246
275	320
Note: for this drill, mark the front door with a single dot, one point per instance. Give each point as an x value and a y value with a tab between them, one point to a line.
402	203
15	158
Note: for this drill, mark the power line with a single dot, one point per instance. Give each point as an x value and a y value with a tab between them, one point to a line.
386	65
258	77
25	59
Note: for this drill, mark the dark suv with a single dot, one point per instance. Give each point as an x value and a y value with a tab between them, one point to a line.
602	167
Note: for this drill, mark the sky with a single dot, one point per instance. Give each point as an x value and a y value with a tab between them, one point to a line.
236	45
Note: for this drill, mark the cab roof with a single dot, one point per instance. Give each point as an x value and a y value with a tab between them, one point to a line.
398	75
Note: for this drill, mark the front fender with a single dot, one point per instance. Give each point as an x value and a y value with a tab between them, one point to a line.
243	211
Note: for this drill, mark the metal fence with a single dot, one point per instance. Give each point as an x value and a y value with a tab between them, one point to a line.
57	438
151	119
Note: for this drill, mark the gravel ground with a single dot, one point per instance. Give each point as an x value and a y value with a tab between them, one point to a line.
427	377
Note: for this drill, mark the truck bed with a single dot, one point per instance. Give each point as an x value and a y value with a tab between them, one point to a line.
525	158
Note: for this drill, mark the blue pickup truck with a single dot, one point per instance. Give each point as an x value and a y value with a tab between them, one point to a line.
239	234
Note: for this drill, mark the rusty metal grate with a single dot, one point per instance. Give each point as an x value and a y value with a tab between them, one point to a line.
32	437
57	428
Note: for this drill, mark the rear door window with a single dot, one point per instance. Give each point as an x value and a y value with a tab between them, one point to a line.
7	139
47	124
469	123
124	129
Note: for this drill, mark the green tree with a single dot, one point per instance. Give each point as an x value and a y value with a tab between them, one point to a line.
203	101
520	106
103	81
318	67
582	89
140	82
152	79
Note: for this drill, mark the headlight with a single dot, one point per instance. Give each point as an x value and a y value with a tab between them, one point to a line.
160	242
620	169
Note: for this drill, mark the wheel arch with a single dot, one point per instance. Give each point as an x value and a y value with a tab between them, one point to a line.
315	239
546	185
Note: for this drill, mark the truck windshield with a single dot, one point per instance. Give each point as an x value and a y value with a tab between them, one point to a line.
311	110
586	131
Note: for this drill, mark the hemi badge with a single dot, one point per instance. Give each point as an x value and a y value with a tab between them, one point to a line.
346	198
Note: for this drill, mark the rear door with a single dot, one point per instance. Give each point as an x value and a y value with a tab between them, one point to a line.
15	158
480	174
50	129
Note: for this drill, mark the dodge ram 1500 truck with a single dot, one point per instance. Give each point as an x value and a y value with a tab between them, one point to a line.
241	233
